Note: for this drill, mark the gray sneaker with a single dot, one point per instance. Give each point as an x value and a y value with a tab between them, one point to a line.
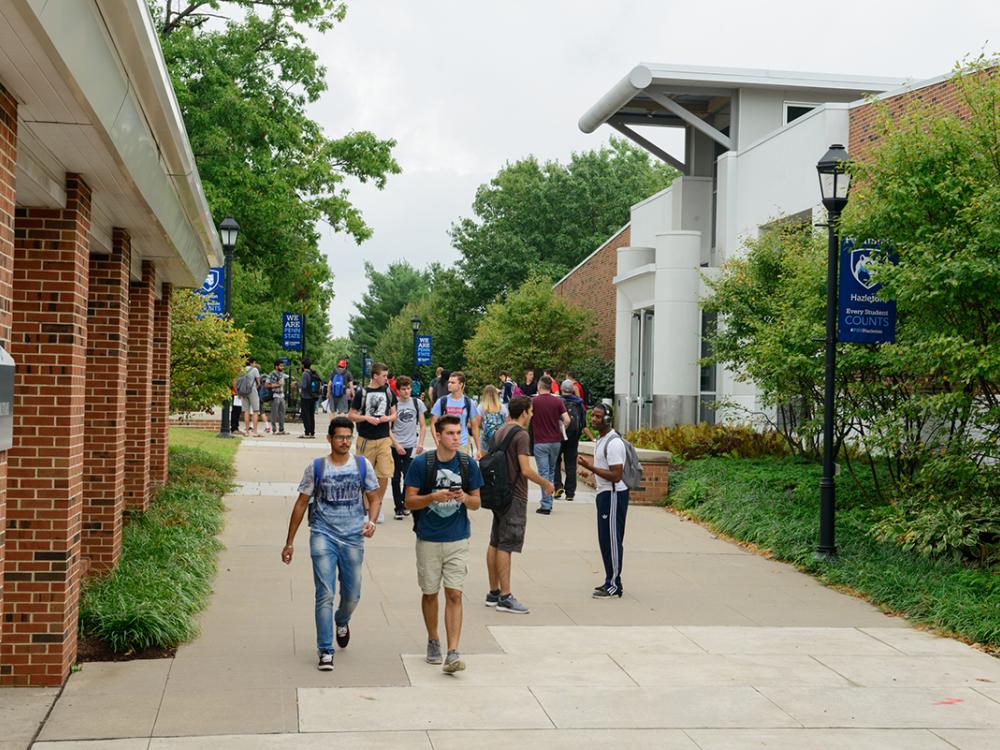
492	598
453	663
510	604
434	652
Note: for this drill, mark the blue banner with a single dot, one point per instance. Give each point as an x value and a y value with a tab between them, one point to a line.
862	317
423	349
291	331
213	291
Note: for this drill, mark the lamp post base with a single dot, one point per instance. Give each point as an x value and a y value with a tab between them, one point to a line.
224	431
825	555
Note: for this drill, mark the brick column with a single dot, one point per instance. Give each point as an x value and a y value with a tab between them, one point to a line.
160	409
104	420
138	388
45	466
8	170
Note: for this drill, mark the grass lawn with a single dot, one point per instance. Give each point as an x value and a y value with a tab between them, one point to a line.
169	554
773	504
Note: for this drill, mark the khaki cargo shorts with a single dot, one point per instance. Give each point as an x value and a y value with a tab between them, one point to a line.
442	562
379	452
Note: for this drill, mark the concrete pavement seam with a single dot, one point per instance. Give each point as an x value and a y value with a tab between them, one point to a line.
532	691
987	697
768	699
693	740
623	670
844	677
944	739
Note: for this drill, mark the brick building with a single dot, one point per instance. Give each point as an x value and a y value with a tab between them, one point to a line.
752	139
101	215
591	285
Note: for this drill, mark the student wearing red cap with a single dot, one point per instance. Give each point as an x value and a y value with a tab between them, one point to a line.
339	388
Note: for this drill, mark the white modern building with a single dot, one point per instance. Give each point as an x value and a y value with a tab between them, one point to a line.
751	142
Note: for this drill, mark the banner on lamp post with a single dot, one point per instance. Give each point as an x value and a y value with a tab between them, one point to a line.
423	349
213	291
291	331
862	316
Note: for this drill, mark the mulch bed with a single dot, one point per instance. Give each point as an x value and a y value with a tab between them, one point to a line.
94	649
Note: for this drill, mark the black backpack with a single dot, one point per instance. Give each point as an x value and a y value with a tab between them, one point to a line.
430	477
497	492
575	426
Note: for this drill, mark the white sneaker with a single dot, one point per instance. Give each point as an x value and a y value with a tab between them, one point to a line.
381	517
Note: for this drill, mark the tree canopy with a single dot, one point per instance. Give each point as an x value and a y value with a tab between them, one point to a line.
543	219
387	293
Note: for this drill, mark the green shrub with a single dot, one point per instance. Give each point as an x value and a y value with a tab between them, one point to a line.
703	440
169	558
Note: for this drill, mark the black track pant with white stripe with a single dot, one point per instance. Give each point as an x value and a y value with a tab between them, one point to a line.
612	507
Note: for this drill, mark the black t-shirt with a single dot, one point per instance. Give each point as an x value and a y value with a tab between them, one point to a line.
373	402
529	389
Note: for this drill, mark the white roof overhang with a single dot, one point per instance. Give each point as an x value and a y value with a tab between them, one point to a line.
94	98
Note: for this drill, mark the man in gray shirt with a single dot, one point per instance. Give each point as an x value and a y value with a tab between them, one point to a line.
408	433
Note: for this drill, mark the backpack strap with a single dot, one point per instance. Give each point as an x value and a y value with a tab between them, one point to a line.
606	458
317	488
463	469
362	471
468	410
430	473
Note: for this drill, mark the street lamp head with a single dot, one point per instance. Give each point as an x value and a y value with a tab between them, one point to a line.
228	231
415	323
834	177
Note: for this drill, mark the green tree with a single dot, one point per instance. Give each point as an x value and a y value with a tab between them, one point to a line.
543	219
387	293
533	327
243	86
206	353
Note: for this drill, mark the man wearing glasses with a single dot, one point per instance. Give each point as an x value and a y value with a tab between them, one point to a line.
333	489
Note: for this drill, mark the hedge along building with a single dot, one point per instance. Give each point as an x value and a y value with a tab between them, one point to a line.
101	215
751	142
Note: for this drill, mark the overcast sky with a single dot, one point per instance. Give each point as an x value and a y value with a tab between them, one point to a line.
465	86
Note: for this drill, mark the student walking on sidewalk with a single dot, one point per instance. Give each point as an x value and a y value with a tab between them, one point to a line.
333	489
408	433
612	499
441	488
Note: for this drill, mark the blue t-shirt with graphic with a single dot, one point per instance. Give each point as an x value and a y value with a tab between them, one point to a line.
340	507
448	521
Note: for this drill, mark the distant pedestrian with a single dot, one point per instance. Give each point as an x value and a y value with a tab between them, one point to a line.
276	384
571	443
441	487
529	387
374	410
235	412
339	388
507	530
612	498
507	387
247	386
334	489
408	434
458	404
310	390
547	424
493	414
439	385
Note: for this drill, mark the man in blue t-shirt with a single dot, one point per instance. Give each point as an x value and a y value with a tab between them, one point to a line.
441	488
456	403
338	525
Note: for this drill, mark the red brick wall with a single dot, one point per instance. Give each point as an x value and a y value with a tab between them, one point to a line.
137	389
160	407
8	170
45	466
590	286
864	120
104	421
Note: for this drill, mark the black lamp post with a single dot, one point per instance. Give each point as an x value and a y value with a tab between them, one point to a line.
415	325
229	230
364	361
834	184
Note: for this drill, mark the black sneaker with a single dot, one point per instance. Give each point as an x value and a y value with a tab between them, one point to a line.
558	493
569	498
343	635
603	593
492	598
399	515
544	511
325	663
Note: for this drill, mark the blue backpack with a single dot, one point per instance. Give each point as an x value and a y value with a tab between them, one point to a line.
337	385
318	478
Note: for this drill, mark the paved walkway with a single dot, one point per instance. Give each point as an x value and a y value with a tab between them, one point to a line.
710	648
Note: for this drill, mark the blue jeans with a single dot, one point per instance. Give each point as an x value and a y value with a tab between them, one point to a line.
546	455
333	561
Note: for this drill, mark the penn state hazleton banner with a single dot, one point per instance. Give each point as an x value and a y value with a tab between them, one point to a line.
213	291
862	316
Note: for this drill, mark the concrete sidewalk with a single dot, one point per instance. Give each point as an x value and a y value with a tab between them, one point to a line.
710	648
